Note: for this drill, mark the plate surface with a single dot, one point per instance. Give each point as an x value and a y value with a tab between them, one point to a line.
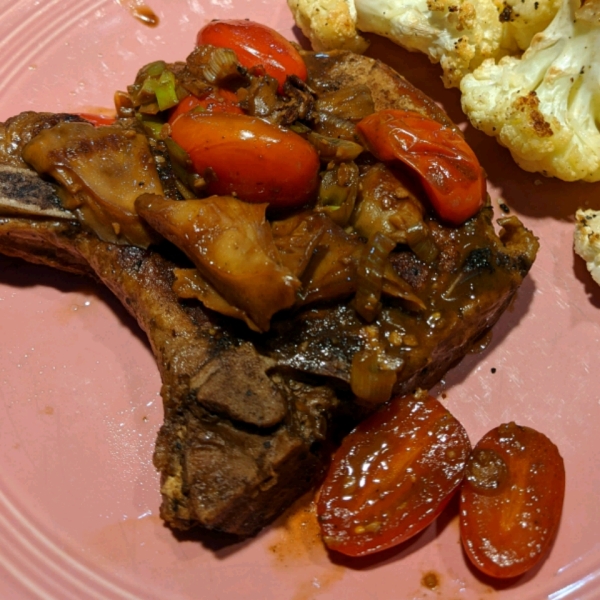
79	399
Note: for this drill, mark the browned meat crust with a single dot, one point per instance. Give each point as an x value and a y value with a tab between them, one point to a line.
248	416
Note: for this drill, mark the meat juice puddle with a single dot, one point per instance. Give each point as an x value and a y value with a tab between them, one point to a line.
298	545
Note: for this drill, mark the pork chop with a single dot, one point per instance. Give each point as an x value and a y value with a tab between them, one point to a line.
250	417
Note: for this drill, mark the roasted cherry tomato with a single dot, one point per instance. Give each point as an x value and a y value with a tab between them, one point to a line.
511	500
444	162
218	100
250	158
392	476
254	45
97	119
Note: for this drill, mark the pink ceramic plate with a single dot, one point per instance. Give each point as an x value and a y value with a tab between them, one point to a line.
79	397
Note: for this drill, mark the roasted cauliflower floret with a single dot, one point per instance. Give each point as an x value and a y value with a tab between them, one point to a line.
329	24
545	106
587	240
522	19
459	34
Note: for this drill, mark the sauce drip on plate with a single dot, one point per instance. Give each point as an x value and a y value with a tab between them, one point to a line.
138	10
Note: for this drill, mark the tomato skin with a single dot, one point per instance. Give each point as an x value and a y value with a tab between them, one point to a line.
219	100
392	476
511	500
98	119
254	45
444	162
249	158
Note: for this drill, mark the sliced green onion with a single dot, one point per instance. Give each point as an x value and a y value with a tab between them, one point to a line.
182	167
166	95
149	87
153	128
154	69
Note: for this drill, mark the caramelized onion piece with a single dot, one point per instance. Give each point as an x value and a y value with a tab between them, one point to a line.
102	170
393	285
331	273
190	284
371	268
335	113
296	239
376	275
370	383
333	149
231	244
421	243
386	206
349	102
260	98
373	374
338	191
335	127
